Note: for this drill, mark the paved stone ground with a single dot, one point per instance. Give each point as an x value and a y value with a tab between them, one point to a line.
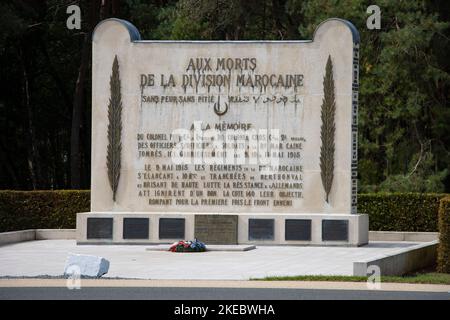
47	257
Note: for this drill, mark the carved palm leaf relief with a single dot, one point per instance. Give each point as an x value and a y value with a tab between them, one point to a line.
114	129
327	130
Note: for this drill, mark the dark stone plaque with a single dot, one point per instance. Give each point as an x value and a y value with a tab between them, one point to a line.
171	228
216	229
297	229
261	229
135	228
334	230
99	228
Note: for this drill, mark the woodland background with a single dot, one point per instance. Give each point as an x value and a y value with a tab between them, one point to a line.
404	115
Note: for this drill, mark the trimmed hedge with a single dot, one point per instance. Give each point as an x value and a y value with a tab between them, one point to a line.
21	210
443	260
401	211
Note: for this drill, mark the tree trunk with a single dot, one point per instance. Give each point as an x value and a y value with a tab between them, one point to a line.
33	157
6	161
56	78
78	101
75	157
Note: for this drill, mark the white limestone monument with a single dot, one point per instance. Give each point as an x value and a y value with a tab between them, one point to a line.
247	142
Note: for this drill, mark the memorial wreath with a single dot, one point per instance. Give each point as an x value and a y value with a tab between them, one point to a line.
188	246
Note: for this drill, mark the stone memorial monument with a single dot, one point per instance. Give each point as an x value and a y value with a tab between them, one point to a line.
226	141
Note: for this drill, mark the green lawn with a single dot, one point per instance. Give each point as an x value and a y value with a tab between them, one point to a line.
427	277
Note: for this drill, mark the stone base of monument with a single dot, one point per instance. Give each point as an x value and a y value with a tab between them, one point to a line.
250	228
